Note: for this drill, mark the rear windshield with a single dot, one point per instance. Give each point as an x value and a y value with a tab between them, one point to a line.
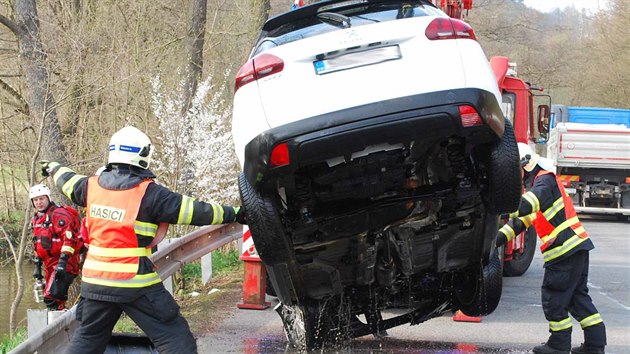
328	16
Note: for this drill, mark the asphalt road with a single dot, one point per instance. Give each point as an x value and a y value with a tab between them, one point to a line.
516	326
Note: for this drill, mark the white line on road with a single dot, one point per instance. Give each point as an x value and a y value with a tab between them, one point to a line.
599	290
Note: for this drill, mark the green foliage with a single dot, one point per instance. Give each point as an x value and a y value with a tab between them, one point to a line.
222	262
7	344
126	325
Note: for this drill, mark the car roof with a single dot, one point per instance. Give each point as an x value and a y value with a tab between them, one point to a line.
321	6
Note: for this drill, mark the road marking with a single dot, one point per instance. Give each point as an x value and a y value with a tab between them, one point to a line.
599	290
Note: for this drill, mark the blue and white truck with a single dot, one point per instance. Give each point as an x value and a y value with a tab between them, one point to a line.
591	147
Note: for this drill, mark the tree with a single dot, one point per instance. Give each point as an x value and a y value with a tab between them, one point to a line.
42	109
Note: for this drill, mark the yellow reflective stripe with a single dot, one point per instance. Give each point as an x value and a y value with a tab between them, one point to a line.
110	266
119	252
533	200
185	211
565	224
67	249
217	214
145	228
508	231
555	326
580	230
591	320
554	209
527	220
139	281
68	187
59	172
566	247
513	215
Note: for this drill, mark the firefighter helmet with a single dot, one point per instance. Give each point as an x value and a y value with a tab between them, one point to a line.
38	190
529	158
130	146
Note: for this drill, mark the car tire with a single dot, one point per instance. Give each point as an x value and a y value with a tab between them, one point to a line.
505	182
479	295
316	324
264	223
521	261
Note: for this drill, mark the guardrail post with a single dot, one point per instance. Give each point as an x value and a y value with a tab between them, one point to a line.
206	268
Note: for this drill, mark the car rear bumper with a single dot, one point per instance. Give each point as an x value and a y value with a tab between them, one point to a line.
394	121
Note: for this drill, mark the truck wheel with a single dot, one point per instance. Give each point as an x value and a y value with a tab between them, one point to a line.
505	183
315	324
521	261
481	292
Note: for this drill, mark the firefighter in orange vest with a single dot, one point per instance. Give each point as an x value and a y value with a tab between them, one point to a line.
55	246
565	247
124	207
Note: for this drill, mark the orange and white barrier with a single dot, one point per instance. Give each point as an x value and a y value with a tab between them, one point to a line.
255	279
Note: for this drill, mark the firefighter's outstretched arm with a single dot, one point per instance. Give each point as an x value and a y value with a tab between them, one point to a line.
513	227
71	184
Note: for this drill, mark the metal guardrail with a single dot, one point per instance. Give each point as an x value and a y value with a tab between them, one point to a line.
55	337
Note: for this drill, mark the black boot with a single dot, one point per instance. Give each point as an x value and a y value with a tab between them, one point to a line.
545	349
585	349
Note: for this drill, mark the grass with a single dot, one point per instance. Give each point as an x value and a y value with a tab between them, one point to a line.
7	344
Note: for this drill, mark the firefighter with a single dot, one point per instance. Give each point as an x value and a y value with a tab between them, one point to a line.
565	249
55	246
124	208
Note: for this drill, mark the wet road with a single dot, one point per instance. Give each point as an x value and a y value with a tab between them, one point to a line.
516	326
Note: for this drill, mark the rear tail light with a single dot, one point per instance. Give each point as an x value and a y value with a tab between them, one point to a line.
279	155
257	68
469	116
627	179
449	28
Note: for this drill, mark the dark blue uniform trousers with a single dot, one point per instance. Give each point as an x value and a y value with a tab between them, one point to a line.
565	291
155	312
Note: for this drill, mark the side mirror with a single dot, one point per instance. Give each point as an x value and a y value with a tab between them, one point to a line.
543	119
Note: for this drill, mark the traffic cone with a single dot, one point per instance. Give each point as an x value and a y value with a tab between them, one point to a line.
255	279
459	316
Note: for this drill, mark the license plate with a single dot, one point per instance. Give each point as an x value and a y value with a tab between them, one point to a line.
570	190
357	59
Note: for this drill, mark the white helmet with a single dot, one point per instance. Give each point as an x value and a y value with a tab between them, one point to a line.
529	159
38	190
130	146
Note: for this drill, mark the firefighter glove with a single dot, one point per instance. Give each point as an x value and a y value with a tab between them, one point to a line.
45	165
60	271
37	272
241	215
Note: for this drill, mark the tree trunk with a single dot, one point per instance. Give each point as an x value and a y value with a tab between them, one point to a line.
193	68
41	100
43	115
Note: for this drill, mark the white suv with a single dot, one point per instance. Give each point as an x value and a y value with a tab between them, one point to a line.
376	160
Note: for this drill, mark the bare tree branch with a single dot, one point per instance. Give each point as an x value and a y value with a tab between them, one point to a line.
14	27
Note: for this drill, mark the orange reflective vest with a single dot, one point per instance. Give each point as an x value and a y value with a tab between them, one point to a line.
558	227
113	257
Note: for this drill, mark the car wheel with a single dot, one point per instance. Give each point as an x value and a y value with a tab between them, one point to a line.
479	294
521	261
504	174
315	324
264	223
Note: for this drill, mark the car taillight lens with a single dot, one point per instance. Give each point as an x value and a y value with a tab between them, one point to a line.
469	116
279	155
257	68
449	28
